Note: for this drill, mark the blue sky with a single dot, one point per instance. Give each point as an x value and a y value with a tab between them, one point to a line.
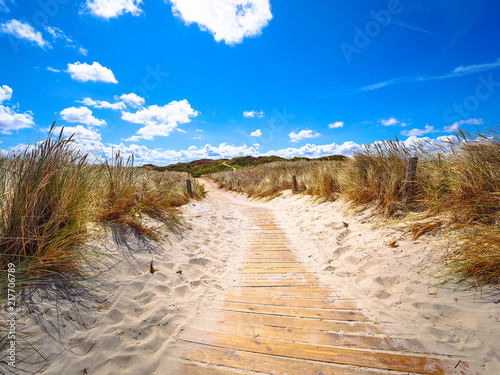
187	79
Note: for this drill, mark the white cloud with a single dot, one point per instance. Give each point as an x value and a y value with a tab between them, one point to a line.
133	99
11	120
390	122
256	133
103	104
24	31
456	125
418	132
196	138
199	130
253	113
95	72
317	151
160	121
82	115
58	35
83	51
336	124
5	93
50	69
113	8
296	137
81	133
228	20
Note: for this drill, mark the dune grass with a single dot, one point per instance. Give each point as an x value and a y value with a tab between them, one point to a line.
50	193
457	188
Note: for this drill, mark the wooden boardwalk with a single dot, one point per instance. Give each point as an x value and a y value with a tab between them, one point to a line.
279	319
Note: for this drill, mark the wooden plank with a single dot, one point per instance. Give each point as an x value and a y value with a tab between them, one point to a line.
274	270
286	292
387	361
269	364
291	302
278	283
200	369
301	323
314	337
299	312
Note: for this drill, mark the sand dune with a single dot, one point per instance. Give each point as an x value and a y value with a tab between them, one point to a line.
129	323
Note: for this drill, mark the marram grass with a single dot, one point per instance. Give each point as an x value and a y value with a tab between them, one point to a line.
457	188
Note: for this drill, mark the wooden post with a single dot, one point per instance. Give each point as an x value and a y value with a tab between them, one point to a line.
411	171
189	187
294	183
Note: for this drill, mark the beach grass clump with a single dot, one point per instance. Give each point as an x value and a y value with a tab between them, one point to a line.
44	208
128	193
51	192
457	188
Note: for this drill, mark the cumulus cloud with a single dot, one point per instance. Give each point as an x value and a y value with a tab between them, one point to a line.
5	93
256	133
95	72
103	104
253	114
418	132
25	31
82	115
296	137
160	121
317	151
456	125
133	99
113	8
10	119
336	124
228	20
81	133
391	122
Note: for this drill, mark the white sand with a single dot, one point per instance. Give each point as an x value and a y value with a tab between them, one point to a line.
129	325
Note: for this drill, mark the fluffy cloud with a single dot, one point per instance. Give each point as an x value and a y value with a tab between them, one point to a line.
160	121
317	151
10	119
103	104
336	124
82	134
82	115
418	132
256	133
133	99
95	72
296	137
113	8
253	113
228	20
5	93
23	30
456	125
390	122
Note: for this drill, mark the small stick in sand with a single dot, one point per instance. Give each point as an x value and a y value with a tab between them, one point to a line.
151	268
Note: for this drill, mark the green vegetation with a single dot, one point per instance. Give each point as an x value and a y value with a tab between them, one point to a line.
50	194
457	187
202	167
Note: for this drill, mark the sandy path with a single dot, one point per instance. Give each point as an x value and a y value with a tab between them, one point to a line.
209	276
277	317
